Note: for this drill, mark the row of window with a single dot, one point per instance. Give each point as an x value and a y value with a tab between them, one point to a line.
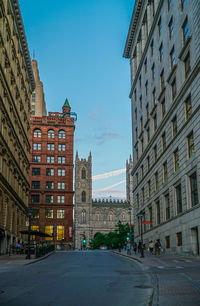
49	185
97	217
35	199
49	171
37	133
49	229
49	213
50	159
50	147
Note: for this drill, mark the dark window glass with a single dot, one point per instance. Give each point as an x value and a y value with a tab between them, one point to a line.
35	171
35	198
194	191
36	184
179	199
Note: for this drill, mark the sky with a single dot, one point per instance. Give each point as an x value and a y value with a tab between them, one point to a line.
79	48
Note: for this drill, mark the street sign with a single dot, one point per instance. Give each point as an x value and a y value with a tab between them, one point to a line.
130	225
146	222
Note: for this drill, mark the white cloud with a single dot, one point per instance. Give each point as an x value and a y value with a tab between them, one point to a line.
108	174
109	187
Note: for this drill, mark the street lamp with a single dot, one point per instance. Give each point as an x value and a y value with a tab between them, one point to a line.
119	224
30	215
141	214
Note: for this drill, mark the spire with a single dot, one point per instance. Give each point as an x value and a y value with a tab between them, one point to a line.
90	157
76	155
66	103
66	108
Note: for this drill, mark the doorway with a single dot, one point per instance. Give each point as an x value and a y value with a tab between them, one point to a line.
195	240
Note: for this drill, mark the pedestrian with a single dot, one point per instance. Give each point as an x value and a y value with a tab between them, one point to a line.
157	247
151	247
128	246
135	247
139	247
17	247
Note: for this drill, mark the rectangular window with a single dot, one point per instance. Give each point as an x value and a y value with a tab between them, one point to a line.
140	81
165	172
61	147
49	198
141	102
141	124
161	54
61	185
61	159
163	142
179	239
167	242
137	201
60	214
37	146
61	172
148	163
149	188
146	88
33	97
36	158
159	27
136	134
174	126
49	231
142	145
145	66
50	146
155	122
153	72
162	81
60	232
153	97
151	216
49	213
171	28
158	212
174	88
163	108
156	180
185	29
49	172
35	171
188	108
190	140
148	135
49	185
61	199
35	198
176	160
155	153
142	172
142	195
35	213
187	65
179	199
172	58
50	159
167	207
136	114
35	184
152	48
193	188
136	154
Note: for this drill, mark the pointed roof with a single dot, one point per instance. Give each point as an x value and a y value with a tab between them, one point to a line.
66	103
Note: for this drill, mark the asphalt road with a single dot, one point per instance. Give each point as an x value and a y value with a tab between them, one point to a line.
77	278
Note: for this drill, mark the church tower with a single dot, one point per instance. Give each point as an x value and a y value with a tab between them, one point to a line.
83	201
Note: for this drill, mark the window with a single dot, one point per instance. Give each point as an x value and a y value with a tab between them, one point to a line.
49	231
136	114
137	200
158	212
49	185
50	146
174	126
188	108
61	185
61	159
49	213
154	97
83	217
155	153
171	28
187	65
143	194
60	232
174	89
50	134
36	146
190	140
141	102
49	172
148	163
155	122
167	207
141	124
61	134
83	174
61	172
172	58
159	27
142	172
165	173
35	198
140	81
156	180
83	196
50	159
60	214
161	52
163	108
135	93
49	198
149	188
61	147
136	134
176	160
152	48
148	135
146	88
162	81
185	31
193	188
36	158
142	144
153	72
169	4
37	133
136	154
35	184
179	239
33	97
145	66
167	242
163	142
136	179
61	199
35	213
179	199
150	216
35	171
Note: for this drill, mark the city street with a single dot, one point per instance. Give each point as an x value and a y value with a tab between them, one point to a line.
77	278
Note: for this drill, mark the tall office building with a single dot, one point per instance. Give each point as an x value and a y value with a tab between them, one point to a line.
163	45
16	86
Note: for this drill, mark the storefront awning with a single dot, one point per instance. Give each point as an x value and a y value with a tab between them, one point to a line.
35	233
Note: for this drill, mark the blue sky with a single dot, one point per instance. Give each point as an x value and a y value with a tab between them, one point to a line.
79	46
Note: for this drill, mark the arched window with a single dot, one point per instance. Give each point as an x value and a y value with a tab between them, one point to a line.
37	133
83	196
83	217
83	173
61	134
51	134
110	218
97	216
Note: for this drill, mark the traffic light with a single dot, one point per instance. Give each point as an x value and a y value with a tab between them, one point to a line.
128	236
84	240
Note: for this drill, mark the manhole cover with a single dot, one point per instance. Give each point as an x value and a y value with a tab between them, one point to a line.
1	291
143	287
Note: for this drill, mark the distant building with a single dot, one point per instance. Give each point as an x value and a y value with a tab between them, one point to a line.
129	185
163	45
51	175
16	86
94	216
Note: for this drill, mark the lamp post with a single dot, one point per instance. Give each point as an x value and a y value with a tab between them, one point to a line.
141	214
30	215
119	224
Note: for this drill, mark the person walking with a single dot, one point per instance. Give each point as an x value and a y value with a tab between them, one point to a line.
157	247
139	247
151	247
135	247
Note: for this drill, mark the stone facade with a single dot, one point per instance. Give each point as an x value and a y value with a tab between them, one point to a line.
163	45
93	216
16	86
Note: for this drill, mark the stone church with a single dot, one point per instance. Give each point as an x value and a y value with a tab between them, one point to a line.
91	215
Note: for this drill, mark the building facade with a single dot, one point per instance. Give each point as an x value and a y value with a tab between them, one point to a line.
163	45
91	215
129	183
51	175
16	86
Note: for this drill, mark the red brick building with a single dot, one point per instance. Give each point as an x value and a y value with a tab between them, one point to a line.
51	175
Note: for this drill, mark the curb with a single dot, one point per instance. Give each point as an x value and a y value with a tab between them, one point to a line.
39	259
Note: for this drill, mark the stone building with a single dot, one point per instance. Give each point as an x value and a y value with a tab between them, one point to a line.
129	184
16	86
51	175
92	216
163	45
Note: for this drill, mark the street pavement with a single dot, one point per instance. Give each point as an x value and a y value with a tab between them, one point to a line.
77	278
176	278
